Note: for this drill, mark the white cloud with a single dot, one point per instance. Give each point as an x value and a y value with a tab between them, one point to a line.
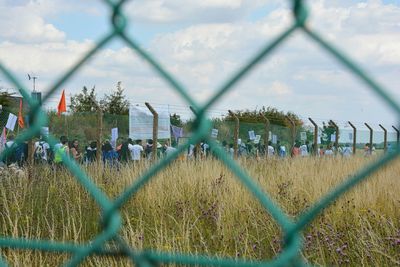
20	25
48	58
195	11
281	89
206	50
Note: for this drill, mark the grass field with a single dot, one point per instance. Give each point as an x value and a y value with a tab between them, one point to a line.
200	207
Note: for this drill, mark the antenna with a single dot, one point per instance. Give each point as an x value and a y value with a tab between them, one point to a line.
34	81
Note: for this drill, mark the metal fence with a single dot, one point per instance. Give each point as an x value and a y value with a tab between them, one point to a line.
111	219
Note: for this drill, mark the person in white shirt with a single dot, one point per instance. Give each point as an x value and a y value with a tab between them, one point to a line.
136	150
41	149
347	151
271	149
231	151
304	150
168	149
329	151
190	151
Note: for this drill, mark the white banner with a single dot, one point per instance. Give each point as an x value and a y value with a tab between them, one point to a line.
141	123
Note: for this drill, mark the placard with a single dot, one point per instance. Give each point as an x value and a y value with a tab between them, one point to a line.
274	139
114	134
252	135
12	119
114	137
214	133
303	136
44	131
333	137
257	139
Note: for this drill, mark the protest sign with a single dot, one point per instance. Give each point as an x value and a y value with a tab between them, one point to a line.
12	119
252	136
303	136
274	139
214	133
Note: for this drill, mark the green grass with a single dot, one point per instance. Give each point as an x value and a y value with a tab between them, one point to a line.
199	207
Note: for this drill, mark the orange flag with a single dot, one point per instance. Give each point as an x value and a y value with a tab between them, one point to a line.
21	123
62	106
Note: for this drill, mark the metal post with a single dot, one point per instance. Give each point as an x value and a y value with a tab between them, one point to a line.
266	135
100	133
354	137
315	136
371	134
193	110
155	129
384	138
99	129
198	147
293	132
235	134
336	136
398	135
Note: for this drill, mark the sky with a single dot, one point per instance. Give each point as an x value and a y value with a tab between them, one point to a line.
203	43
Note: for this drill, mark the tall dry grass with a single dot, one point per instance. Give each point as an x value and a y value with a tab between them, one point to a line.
200	207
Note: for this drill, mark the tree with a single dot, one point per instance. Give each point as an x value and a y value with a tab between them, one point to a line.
116	103
176	120
274	116
5	99
84	101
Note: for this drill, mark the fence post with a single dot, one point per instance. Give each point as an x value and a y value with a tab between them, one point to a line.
315	136
384	138
155	129
293	132
99	129
100	133
354	137
336	136
266	135
235	134
31	151
398	135
198	147
371	134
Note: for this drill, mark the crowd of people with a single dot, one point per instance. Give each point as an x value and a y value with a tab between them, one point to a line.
134	151
299	149
126	151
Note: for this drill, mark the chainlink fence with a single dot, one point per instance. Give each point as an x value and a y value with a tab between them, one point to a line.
111	219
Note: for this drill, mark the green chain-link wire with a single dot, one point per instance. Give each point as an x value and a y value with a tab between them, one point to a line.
111	218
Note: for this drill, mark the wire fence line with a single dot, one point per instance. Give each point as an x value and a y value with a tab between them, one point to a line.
111	219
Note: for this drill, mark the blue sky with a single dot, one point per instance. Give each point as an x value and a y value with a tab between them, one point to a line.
203	43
